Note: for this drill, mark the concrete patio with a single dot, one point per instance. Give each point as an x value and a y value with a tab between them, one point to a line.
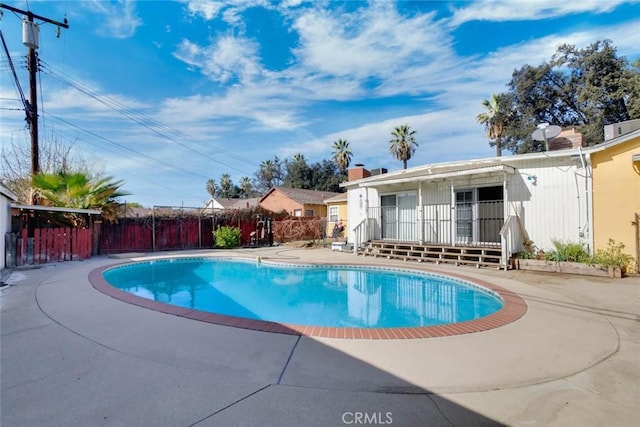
72	356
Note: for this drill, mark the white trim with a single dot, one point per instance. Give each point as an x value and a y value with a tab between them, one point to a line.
431	176
337	213
6	192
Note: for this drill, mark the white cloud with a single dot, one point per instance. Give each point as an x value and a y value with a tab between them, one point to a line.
207	9
119	20
229	10
189	53
510	10
369	42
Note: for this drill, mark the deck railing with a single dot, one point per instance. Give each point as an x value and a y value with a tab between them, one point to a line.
475	224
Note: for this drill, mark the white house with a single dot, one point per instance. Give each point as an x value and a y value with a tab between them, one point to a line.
6	197
502	203
216	204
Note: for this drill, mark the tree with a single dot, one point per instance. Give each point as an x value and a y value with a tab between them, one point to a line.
211	187
325	176
226	185
403	144
269	175
341	154
494	120
55	155
632	82
298	173
246	188
79	190
582	88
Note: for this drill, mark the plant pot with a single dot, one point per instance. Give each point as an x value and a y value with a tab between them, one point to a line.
536	265
615	272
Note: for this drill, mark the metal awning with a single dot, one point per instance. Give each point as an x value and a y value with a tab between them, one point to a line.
56	209
428	175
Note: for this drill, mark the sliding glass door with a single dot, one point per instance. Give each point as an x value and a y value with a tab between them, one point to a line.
398	213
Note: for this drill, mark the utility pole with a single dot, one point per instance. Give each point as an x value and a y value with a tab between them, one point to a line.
30	38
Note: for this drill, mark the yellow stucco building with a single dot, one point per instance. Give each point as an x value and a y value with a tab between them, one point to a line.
337	212
616	193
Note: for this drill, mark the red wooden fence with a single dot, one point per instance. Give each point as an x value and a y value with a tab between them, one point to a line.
53	245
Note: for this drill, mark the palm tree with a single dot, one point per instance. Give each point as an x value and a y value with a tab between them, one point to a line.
299	158
270	174
403	144
245	186
494	120
225	185
79	190
211	187
341	154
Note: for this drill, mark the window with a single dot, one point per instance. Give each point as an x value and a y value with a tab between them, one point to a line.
333	214
308	212
297	212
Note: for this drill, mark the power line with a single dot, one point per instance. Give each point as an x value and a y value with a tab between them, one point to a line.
131	150
146	121
30	40
16	81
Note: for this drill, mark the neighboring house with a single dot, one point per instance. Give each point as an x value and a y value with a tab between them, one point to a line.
6	198
508	202
296	202
223	204
337	213
616	192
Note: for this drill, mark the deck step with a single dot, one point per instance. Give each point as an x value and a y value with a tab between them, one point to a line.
477	256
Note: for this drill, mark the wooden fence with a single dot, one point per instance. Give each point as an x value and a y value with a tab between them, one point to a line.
159	234
162	234
48	245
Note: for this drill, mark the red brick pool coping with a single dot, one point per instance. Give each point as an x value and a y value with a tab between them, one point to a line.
514	308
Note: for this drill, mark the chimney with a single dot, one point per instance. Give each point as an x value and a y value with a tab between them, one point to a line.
568	138
357	172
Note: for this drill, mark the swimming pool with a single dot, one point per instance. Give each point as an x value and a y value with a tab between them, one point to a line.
332	296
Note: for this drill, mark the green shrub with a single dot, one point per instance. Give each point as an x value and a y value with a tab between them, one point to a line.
612	256
527	255
227	237
568	251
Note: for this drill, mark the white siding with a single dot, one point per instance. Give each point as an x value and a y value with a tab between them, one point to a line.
5	225
551	195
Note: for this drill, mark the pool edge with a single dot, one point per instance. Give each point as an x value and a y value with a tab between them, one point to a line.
513	309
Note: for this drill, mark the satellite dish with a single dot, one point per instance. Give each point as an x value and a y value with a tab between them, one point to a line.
546	132
542	134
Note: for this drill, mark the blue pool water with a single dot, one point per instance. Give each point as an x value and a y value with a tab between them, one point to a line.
338	296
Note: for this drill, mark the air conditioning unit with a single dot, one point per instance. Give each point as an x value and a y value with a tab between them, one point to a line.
378	171
618	129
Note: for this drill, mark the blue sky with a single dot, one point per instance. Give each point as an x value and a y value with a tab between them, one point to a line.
165	95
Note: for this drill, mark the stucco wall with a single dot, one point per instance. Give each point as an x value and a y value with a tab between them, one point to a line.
616	195
277	202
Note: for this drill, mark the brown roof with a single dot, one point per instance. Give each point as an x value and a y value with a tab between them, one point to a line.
237	203
305	197
340	197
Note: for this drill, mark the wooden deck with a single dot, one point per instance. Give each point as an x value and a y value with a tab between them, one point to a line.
458	255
